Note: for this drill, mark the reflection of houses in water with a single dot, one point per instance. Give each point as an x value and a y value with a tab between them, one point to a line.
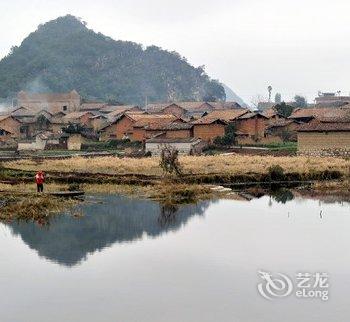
68	240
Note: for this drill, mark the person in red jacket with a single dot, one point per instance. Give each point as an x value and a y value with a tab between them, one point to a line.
40	179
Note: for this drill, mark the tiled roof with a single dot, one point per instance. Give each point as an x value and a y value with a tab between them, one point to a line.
169	126
227	115
143	120
76	115
270	112
173	140
117	109
318	126
252	114
4	117
92	106
192	106
195	106
224	105
98	116
22	111
281	123
320	112
158	107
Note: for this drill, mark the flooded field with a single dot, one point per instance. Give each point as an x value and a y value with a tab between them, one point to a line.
135	260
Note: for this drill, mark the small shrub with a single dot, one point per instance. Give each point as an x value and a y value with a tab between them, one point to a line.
276	173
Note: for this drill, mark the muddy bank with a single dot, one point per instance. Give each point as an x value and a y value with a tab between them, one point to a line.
274	175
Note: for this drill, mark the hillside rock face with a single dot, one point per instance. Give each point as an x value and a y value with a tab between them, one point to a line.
64	54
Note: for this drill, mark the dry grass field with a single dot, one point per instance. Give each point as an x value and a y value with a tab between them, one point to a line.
219	164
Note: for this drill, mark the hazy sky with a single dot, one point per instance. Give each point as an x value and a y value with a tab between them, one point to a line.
296	46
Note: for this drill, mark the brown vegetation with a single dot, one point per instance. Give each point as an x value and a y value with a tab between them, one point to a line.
32	207
218	164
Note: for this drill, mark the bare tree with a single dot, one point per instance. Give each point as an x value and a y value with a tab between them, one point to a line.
169	161
255	100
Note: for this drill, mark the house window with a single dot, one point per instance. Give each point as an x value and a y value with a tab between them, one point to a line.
65	108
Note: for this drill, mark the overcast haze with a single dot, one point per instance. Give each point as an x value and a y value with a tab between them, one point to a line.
299	47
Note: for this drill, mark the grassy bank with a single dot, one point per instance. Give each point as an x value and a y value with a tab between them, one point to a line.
19	206
218	164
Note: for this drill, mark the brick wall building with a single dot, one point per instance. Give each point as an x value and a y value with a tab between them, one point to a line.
208	130
10	124
322	135
52	102
252	124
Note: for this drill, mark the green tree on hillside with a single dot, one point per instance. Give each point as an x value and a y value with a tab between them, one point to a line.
64	54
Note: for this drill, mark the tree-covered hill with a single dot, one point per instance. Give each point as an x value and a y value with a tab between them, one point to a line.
64	54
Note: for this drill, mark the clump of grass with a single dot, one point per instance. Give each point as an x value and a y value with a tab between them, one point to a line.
35	207
170	193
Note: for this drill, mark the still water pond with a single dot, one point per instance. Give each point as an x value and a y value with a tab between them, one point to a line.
132	260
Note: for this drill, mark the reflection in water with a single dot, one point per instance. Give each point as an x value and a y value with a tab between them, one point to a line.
282	195
68	240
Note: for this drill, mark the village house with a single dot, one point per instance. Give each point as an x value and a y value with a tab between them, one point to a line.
251	127
281	130
82	118
189	109
175	130
305	115
47	141
93	107
213	124
23	114
98	121
186	146
123	126
325	136
116	110
119	110
149	125
51	102
207	129
6	136
272	115
10	126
